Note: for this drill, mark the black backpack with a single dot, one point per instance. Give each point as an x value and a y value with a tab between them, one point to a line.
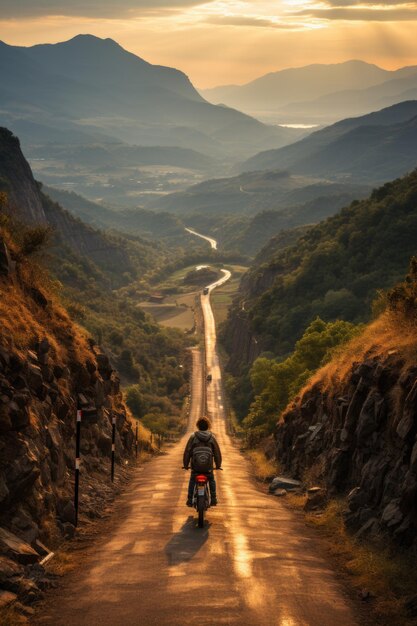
202	459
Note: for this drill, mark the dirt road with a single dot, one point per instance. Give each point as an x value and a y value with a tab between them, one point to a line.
253	565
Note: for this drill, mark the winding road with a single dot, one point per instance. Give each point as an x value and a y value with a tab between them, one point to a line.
254	563
212	242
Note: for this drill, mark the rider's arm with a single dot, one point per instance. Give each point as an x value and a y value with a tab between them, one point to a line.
217	453
187	452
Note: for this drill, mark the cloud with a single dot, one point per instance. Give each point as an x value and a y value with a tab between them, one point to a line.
362	10
241	20
371	3
12	9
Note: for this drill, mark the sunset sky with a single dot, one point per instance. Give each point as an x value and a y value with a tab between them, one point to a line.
226	41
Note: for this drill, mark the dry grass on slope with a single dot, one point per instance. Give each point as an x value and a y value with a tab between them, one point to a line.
25	320
380	579
390	335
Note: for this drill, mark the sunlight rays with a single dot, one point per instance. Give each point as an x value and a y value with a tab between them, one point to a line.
222	41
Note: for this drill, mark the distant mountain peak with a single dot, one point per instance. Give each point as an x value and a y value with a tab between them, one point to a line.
93	40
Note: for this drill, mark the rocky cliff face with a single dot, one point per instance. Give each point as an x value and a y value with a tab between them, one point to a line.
359	438
24	201
48	368
239	340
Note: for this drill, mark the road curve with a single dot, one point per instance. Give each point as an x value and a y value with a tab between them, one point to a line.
254	564
212	242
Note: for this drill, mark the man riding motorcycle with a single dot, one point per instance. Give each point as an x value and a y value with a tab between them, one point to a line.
202	437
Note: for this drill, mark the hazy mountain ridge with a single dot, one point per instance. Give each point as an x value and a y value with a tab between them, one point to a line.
360	101
132	222
321	93
122	155
373	147
252	192
95	83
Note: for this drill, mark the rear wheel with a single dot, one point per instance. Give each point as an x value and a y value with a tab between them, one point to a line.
200	510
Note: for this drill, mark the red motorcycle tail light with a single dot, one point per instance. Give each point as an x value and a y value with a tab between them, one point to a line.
201	478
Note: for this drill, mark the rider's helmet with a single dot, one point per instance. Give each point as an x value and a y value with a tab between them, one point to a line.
203	423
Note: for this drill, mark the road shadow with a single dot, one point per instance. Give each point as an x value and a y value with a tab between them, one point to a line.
185	544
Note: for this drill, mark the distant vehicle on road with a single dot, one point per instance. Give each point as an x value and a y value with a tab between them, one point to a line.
209	378
205	290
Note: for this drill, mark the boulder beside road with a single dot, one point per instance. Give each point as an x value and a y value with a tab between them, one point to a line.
282	482
17	549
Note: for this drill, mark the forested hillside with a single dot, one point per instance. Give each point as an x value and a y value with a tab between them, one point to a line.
334	271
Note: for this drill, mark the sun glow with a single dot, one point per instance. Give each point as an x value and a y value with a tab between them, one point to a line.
227	41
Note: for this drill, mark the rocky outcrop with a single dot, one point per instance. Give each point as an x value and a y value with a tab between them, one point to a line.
239	340
359	438
39	395
16	179
26	204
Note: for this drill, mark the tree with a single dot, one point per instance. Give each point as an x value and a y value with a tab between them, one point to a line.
275	383
135	401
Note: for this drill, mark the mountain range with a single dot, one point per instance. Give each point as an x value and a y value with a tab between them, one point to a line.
319	93
89	90
371	148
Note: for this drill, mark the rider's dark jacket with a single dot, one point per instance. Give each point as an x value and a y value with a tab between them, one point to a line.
202	438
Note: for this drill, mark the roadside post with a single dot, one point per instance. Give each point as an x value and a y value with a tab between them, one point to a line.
136	440
77	462
113	444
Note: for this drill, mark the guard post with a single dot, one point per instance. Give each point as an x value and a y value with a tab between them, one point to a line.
113	443
77	462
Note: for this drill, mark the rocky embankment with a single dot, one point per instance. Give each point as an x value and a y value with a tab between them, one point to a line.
359	439
239	340
47	368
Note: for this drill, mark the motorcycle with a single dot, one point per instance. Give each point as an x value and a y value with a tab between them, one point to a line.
201	496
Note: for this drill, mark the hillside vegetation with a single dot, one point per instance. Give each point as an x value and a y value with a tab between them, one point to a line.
335	270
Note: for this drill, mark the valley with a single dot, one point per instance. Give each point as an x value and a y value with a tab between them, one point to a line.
234	537
247	253
119	174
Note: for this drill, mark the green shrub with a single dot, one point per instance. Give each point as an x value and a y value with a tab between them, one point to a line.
275	383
